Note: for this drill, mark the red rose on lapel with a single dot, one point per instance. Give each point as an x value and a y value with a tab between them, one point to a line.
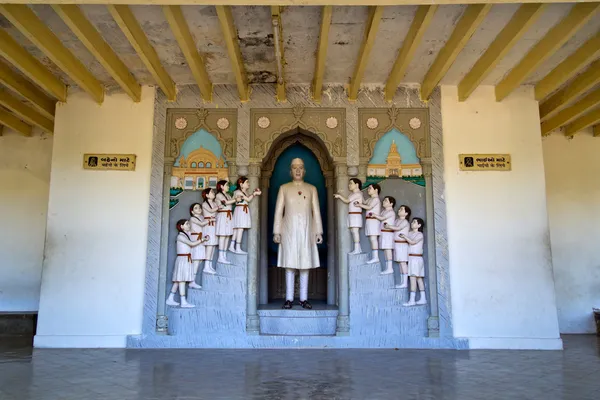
299	193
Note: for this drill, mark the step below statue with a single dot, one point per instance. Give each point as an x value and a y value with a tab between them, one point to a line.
298	229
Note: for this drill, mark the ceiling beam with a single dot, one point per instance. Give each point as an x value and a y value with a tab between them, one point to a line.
181	31
520	22
470	20
596	130
93	41
14	123
557	36
27	22
365	49
587	120
28	90
279	57
25	112
133	31
564	97
31	67
568	68
293	2
570	113
317	85
420	23
233	48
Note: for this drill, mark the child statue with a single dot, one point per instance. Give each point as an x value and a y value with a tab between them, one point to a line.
209	211
386	240
416	266
198	252
355	221
241	214
183	272
224	219
401	226
373	207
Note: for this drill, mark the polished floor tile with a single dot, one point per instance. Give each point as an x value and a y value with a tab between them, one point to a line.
107	374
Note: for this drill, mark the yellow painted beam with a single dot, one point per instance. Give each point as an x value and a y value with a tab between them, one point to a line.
181	31
133	31
568	68
93	41
233	48
28	90
373	21
293	2
470	20
580	85
31	67
570	113
317	86
14	123
279	57
27	22
557	36
25	112
596	130
421	21
589	119
521	21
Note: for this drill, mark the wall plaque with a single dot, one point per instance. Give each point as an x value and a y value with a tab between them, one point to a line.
105	162
484	162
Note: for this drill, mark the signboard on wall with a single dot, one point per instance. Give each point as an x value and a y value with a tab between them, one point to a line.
107	162
484	162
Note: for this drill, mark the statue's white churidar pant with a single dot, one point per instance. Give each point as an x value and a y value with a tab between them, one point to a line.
289	284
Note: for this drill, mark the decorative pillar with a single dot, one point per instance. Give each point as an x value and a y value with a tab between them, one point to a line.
343	247
252	321
162	321
264	240
362	170
233	170
331	275
433	324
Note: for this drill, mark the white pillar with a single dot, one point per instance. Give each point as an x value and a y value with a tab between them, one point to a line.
252	320
264	241
331	267
343	246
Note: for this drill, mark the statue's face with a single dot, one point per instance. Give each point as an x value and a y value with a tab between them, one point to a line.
402	212
186	226
197	209
386	203
415	224
351	185
370	190
226	187
245	185
297	170
211	195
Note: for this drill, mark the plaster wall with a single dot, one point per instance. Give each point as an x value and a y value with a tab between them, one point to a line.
95	253
25	181
500	260
573	198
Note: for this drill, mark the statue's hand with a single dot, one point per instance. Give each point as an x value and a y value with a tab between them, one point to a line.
319	238
337	196
277	238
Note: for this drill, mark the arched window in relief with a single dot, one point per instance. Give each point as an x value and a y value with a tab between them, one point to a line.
208	165
193	165
201	164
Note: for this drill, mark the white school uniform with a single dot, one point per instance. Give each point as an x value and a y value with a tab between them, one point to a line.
183	270
400	244
386	240
198	252
416	266
241	214
224	216
354	212
209	230
372	223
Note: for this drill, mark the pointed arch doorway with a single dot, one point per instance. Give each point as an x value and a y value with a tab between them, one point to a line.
319	172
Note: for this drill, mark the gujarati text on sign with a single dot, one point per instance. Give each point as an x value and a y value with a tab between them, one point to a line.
106	162
484	162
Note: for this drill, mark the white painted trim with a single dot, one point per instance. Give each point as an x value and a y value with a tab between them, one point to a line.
509	343
80	341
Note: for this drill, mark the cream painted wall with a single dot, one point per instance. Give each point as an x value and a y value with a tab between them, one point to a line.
500	261
573	196
95	255
24	179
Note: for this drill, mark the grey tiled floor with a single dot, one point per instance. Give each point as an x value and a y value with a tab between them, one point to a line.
300	374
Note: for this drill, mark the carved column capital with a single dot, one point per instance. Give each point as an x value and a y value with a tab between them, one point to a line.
242	170
427	170
353	170
253	170
340	170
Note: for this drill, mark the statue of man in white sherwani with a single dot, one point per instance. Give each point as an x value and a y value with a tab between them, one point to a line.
298	229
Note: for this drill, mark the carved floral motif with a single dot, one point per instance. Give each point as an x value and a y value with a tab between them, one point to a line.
223	123
228	147
202	114
372	123
181	123
337	146
264	122
414	123
331	122
260	148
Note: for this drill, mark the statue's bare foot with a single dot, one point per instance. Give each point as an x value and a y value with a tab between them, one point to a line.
305	304
287	305
194	285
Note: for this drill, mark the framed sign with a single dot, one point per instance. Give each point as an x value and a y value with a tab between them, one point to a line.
107	162
484	162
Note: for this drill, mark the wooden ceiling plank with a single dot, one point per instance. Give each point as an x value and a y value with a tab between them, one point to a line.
124	17
570	113
31	67
27	22
521	21
470	20
25	112
74	18
181	31
596	130
233	48
373	21
9	120
564	97
317	85
28	90
279	56
420	23
587	120
580	14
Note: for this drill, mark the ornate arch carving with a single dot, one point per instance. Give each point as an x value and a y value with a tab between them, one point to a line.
311	143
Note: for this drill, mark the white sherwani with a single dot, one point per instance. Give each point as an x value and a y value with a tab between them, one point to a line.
298	221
